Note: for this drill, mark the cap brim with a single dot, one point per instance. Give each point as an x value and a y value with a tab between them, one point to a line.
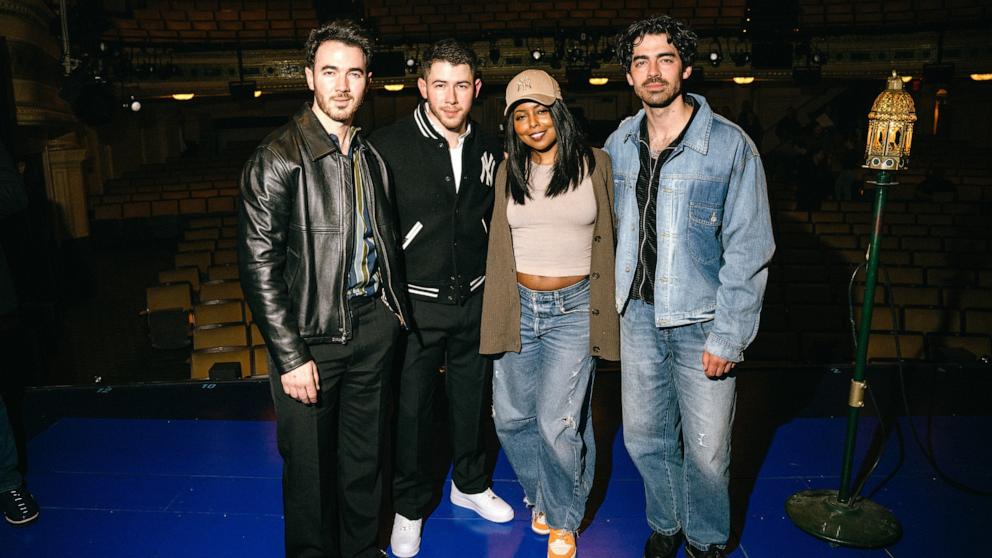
546	100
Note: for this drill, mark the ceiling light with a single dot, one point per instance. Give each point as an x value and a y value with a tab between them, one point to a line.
743	80
133	104
183	96
536	54
598	80
715	57
907	79
981	77
394	87
258	93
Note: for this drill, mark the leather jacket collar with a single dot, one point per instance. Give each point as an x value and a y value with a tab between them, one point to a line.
318	142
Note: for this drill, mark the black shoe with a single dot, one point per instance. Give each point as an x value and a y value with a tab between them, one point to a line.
713	552
19	507
662	546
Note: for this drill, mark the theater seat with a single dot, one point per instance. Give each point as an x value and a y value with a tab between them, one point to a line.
167	312
165	297
225	257
203	360
205	223
195	246
188	275
218	312
222	273
260	361
216	335
221	290
201	234
201	260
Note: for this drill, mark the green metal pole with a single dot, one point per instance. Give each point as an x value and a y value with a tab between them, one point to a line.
856	399
835	515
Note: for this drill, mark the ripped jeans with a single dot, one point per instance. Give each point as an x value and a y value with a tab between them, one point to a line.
676	426
541	401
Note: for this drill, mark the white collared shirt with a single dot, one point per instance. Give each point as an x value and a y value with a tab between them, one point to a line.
455	152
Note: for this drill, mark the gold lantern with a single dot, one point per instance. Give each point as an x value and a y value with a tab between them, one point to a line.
890	128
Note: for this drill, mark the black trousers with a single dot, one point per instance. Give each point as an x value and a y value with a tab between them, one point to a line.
332	450
443	334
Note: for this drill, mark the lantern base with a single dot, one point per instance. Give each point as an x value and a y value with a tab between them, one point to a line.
862	523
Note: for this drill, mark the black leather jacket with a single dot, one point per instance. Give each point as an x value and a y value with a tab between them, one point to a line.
296	236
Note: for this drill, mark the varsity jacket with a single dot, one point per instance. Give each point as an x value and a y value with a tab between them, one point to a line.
444	234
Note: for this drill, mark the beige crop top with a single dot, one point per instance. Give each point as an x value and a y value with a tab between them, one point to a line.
553	236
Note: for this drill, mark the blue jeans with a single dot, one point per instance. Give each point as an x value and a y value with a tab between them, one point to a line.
541	403
10	476
676	426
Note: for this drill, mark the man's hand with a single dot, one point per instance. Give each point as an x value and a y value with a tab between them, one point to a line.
302	383
714	366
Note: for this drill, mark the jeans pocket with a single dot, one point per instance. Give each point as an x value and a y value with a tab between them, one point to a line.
572	306
576	299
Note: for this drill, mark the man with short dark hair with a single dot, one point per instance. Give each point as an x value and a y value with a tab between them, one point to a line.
443	165
318	255
694	240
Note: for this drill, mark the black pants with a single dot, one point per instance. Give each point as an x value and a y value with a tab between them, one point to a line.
443	334
332	451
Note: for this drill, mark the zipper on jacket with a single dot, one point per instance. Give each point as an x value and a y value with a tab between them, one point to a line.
644	216
387	280
345	309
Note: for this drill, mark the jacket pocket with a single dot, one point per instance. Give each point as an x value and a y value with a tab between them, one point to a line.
705	224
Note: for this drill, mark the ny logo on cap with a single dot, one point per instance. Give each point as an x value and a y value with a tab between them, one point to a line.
523	84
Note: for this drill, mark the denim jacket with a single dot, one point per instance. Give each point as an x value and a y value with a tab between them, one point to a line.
713	225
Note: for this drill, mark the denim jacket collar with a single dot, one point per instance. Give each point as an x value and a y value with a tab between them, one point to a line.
697	137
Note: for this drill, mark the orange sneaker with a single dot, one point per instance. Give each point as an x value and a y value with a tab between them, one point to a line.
561	544
539	523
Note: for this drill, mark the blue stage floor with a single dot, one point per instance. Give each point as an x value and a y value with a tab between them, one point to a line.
123	487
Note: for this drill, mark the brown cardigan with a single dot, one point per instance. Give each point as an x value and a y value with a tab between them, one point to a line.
501	301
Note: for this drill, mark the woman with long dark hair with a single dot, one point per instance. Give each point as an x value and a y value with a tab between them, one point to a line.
549	311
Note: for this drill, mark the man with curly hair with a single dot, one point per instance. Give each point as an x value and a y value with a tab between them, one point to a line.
693	243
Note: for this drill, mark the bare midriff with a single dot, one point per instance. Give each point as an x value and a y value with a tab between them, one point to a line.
545	283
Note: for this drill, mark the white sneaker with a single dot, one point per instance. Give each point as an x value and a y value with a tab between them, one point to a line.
487	504
405	540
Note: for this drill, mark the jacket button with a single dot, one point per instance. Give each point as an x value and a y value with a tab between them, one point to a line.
447	179
452	277
594	312
595	349
595	275
596	238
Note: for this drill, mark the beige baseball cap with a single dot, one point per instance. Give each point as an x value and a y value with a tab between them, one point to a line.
532	85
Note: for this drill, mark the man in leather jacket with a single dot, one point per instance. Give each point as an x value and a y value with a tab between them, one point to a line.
318	265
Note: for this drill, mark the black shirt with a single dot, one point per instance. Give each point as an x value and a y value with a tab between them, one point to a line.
642	287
